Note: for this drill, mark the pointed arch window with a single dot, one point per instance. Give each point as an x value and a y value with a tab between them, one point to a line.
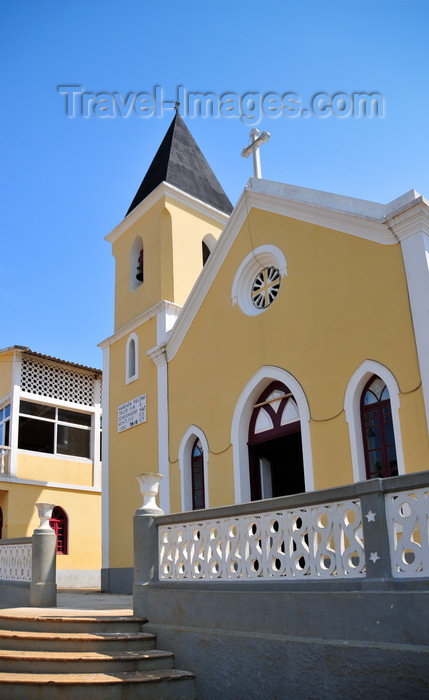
197	475
59	524
377	430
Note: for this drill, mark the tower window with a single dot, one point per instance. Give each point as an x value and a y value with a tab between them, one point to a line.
206	252
136	264
139	275
131	359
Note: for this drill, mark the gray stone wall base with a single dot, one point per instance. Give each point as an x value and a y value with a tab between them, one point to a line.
14	594
79	578
239	666
288	644
118	580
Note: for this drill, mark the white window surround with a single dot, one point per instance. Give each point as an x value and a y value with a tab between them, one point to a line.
185	456
240	427
210	241
128	350
263	256
352	402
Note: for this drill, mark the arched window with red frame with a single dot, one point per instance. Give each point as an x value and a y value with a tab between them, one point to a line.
377	430
59	524
197	476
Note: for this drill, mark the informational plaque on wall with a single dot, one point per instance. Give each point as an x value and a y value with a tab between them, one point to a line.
132	413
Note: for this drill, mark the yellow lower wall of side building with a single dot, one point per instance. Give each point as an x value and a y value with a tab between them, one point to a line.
54	469
84	520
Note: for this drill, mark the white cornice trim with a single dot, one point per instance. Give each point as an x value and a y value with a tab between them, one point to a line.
371	229
158	354
146	316
410	222
49	484
174	194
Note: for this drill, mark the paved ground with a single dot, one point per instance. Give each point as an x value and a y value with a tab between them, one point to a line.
80	604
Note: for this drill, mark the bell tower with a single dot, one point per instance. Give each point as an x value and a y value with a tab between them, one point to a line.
160	248
178	211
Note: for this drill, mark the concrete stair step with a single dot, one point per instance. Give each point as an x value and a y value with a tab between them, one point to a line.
91	657
169	684
58	623
15	661
76	641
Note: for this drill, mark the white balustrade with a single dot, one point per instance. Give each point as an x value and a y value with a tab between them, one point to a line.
4	459
408	526
15	562
321	541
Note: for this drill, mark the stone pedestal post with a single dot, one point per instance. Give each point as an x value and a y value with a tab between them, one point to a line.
376	536
145	542
43	591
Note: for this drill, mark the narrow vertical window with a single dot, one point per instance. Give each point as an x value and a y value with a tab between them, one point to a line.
58	523
1	523
131	359
377	430
197	476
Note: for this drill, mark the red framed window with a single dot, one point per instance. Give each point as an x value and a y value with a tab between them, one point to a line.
377	430
59	524
197	476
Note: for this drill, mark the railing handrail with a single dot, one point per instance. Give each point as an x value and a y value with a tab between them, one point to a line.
15	540
335	494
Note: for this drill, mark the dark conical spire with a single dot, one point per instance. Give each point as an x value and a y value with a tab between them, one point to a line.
180	162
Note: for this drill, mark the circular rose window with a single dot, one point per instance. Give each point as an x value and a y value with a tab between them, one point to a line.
265	287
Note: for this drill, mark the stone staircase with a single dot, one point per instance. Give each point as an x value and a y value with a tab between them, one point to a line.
86	658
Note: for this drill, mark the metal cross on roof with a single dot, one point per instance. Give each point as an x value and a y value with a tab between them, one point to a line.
256	140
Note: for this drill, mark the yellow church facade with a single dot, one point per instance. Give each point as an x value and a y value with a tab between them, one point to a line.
272	348
50	439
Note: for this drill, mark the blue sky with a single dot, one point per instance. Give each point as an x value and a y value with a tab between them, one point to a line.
66	182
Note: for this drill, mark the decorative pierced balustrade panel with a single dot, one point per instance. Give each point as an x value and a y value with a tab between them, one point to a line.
317	541
15	562
408	526
57	382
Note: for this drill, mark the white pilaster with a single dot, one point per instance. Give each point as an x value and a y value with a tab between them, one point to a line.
159	356
415	252
14	413
96	434
105	557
